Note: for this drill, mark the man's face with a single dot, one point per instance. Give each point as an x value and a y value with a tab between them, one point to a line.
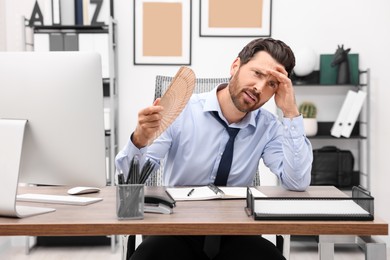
251	85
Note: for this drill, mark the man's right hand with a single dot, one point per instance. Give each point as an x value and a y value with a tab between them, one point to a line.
149	121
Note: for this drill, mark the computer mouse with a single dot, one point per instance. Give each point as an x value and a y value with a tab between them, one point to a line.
82	190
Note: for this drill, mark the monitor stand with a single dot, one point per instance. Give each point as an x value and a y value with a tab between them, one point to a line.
11	142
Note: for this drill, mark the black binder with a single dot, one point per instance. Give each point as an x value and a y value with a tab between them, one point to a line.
358	207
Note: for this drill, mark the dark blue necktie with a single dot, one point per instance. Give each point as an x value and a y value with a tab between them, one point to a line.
227	156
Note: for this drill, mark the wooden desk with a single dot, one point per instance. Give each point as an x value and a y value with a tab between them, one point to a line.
213	217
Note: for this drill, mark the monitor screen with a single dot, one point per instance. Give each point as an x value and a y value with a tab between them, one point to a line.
61	96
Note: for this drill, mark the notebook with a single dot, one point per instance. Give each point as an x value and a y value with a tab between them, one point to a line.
211	192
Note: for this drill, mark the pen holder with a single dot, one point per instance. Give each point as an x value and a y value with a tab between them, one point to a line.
130	201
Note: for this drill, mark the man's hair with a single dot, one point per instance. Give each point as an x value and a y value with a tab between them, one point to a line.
278	50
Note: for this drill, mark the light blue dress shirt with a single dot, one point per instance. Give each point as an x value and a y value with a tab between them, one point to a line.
192	147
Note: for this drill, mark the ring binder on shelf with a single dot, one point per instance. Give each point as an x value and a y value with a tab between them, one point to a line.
358	207
353	113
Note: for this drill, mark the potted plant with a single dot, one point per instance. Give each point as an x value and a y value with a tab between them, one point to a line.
309	113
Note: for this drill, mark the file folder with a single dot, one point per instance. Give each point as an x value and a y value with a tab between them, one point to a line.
353	114
341	120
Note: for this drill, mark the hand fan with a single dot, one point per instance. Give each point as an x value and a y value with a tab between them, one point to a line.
176	97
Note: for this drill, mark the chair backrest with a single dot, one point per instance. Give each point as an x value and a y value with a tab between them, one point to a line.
201	85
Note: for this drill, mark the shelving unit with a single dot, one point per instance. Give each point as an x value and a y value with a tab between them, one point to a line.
328	99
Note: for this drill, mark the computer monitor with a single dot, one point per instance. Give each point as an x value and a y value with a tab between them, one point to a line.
61	96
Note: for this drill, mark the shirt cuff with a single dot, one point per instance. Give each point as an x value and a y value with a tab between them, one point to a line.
132	149
293	126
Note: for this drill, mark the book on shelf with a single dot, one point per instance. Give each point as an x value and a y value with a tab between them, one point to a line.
86	20
79	20
56	12
210	192
68	12
71	42
56	42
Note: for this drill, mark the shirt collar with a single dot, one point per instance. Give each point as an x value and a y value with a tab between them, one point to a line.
212	104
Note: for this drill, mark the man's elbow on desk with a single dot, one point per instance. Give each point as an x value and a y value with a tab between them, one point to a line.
297	185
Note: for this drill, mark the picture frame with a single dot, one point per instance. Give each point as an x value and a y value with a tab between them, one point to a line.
250	19
162	32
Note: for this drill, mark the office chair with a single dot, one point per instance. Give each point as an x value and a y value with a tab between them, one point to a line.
282	242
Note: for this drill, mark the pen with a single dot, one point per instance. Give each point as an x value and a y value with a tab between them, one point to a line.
122	195
216	189
189	193
121	178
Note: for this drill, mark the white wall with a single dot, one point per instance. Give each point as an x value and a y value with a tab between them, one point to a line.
14	26
321	25
2	25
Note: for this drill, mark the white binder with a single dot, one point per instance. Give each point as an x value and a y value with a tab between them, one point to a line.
343	114
353	113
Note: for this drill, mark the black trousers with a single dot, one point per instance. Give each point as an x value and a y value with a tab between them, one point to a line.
191	248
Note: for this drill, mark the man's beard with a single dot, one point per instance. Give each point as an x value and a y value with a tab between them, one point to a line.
238	102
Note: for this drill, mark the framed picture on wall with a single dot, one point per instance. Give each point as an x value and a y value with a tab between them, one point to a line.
162	32
229	18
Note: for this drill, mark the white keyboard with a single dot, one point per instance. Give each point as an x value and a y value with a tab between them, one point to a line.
57	199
